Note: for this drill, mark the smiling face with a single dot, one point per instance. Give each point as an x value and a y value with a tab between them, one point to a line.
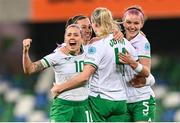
73	39
85	25
132	24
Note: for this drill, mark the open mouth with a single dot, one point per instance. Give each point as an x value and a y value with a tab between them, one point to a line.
72	43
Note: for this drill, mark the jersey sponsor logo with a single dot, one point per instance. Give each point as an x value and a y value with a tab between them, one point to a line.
68	58
147	47
91	50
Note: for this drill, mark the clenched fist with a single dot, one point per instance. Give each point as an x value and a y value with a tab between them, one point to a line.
26	44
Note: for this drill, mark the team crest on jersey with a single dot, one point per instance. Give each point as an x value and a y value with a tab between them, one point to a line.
91	50
147	47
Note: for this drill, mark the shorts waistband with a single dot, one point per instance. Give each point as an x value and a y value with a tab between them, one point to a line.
70	102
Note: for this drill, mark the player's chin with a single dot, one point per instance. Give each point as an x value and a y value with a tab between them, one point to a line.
88	38
132	33
73	48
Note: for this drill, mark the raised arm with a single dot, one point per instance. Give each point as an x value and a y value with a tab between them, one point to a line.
29	67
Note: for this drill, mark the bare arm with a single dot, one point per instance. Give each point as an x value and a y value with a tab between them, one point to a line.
144	77
76	81
148	80
29	67
145	62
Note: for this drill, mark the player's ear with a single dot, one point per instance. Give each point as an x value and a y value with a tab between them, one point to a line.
142	24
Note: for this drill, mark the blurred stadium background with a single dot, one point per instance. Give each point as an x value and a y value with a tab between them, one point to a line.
27	98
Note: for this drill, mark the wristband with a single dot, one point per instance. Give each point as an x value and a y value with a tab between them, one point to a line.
150	80
139	68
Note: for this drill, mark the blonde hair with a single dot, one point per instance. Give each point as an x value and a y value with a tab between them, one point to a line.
103	18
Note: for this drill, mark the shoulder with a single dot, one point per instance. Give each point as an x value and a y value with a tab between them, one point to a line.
142	38
141	42
57	54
